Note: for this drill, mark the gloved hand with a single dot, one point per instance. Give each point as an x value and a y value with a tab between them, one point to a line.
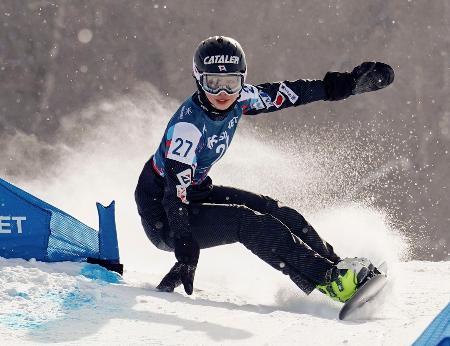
187	252
369	76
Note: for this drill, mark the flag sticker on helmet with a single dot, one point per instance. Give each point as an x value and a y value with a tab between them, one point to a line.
279	99
292	96
222	68
221	59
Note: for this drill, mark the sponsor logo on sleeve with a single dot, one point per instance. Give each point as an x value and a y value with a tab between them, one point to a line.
279	99
258	104
266	99
182	194
247	88
185	177
292	96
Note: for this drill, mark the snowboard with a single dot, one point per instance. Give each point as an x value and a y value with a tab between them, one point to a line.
368	291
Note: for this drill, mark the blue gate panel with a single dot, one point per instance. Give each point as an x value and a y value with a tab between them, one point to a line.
438	332
32	228
24	228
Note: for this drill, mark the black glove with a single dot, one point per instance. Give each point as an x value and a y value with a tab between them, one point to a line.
187	252
369	76
200	192
179	274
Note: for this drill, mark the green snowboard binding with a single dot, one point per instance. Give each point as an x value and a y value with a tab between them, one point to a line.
346	277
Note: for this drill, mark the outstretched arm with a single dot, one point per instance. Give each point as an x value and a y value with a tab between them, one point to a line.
270	97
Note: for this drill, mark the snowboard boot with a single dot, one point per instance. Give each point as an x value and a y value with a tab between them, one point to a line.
345	278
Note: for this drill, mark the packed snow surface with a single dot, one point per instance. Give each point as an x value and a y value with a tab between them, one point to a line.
54	303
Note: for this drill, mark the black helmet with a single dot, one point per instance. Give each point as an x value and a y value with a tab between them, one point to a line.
219	54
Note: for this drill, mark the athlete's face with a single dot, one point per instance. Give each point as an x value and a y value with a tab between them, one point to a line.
222	100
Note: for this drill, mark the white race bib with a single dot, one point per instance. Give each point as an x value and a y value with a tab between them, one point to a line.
184	138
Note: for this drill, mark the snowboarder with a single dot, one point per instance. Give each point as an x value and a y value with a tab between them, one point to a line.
182	211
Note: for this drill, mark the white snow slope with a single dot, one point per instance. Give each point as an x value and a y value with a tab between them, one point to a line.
53	303
238	299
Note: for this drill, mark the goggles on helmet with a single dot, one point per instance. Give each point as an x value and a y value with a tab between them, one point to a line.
214	83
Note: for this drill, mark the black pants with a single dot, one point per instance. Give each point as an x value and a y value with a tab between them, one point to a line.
221	215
